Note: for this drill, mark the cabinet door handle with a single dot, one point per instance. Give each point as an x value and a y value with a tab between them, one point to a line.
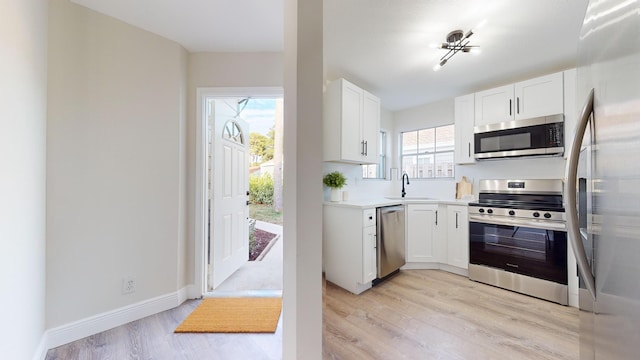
518	105
362	147
510	106
456	220
366	148
436	217
469	148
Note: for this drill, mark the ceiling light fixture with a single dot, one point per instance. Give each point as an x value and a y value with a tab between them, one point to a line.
457	41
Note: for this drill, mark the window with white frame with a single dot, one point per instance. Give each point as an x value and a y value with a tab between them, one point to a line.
377	171
428	153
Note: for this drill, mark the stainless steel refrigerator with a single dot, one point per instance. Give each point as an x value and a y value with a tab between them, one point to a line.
603	181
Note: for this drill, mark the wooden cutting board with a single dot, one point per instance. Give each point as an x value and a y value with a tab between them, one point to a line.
464	187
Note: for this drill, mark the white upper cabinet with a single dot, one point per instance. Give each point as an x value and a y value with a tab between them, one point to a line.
371	127
351	124
541	96
464	122
494	105
532	98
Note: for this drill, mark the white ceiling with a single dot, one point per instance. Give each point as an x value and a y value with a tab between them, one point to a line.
382	45
204	25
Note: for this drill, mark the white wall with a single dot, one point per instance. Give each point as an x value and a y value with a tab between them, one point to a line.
23	70
242	70
303	80
115	147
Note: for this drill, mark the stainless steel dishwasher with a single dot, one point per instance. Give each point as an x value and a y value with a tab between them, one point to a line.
390	244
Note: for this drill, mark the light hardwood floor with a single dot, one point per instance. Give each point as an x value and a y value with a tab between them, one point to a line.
418	314
430	314
153	338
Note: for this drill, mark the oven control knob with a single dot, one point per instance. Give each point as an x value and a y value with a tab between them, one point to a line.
547	215
536	214
511	212
481	211
489	211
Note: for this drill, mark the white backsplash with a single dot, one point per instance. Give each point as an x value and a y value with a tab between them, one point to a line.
445	189
356	187
517	168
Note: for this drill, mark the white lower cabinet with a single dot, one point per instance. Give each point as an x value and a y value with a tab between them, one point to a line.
425	242
349	247
438	237
369	256
458	236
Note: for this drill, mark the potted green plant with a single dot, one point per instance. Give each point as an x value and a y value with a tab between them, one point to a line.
335	180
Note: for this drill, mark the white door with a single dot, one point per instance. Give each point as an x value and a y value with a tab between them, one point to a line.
229	234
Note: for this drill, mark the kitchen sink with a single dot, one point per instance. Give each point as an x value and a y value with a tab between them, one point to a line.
409	198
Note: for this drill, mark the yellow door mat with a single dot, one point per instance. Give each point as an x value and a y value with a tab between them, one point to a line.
233	315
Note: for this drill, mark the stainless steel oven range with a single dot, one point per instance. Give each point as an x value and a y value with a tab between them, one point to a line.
518	237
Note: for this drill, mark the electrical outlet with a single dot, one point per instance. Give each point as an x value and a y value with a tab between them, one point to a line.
128	284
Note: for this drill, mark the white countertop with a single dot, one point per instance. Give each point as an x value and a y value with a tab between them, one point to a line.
383	201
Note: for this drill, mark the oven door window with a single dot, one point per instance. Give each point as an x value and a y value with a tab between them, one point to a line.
528	251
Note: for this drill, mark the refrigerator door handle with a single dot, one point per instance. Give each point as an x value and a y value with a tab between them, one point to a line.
573	225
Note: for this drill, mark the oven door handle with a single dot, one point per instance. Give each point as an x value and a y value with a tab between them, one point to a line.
573	224
536	224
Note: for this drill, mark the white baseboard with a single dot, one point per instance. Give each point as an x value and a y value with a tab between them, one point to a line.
190	292
108	320
435	266
420	266
41	350
454	270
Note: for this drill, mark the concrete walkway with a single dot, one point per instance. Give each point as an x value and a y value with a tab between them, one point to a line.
259	278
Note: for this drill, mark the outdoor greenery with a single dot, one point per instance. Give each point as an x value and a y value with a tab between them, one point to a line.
261	147
265	213
252	232
261	189
334	180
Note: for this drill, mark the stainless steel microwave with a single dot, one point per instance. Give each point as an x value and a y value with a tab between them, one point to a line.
529	137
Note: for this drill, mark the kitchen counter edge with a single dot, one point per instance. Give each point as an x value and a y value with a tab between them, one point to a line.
373	203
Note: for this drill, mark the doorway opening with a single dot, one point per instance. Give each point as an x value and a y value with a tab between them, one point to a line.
239	228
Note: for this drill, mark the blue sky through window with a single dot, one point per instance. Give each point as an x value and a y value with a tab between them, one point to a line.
260	114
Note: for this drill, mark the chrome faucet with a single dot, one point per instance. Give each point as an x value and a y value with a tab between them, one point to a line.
403	177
